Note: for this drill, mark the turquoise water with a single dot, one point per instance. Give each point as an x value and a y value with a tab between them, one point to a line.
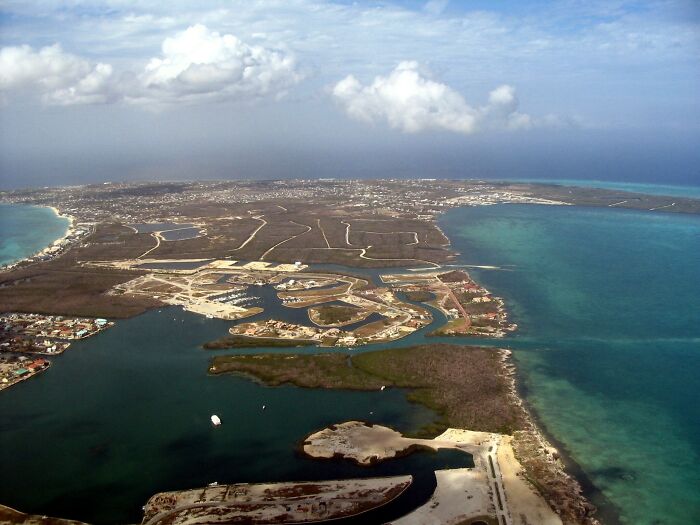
608	352
609	343
637	187
27	230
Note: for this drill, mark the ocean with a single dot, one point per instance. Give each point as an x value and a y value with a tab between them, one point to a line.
608	347
26	230
608	355
671	190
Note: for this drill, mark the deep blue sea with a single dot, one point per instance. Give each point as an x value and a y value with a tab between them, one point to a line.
26	230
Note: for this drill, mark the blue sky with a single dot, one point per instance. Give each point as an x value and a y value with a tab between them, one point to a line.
298	88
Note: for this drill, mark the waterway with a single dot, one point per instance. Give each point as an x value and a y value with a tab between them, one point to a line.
608	353
126	414
26	230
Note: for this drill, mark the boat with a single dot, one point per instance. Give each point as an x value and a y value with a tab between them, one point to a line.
215	420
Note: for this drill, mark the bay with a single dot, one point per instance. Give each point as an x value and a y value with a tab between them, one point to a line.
27	230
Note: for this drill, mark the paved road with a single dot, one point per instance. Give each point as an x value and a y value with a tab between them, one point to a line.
496	480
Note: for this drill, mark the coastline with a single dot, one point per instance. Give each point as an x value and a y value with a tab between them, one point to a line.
605	515
70	229
52	249
456	402
566	470
535	440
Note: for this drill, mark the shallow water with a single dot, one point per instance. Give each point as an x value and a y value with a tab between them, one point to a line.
181	234
26	230
149	227
671	190
609	340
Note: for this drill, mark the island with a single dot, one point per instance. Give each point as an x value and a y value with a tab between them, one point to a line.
296	263
272	503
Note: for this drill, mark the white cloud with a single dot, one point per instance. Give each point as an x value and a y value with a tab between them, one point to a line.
196	65
94	88
200	65
502	110
409	100
61	78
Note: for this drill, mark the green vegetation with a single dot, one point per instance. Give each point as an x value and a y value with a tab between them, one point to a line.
419	296
451	327
240	341
465	386
455	276
310	371
337	314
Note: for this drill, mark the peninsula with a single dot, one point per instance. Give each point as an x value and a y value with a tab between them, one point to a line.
469	388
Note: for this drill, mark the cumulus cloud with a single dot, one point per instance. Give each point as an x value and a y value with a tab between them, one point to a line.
199	65
409	100
60	77
196	65
502	110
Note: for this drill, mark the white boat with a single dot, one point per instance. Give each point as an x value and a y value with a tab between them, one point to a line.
215	420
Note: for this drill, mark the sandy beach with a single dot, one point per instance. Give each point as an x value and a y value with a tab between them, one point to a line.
70	230
51	248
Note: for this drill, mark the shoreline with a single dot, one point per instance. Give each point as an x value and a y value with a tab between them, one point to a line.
562	463
70	229
607	515
570	469
570	473
51	248
457	404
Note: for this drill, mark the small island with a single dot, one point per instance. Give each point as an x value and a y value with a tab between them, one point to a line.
273	503
362	443
334	315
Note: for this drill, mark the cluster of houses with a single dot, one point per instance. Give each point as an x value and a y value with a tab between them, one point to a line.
290	331
275	328
14	369
302	284
58	327
22	333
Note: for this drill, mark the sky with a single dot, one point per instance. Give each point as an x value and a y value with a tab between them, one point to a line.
139	90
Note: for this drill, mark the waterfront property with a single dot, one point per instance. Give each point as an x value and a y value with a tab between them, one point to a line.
14	369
